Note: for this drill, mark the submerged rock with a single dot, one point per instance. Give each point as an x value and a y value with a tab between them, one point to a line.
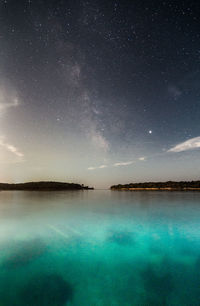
158	284
25	252
121	237
47	290
153	302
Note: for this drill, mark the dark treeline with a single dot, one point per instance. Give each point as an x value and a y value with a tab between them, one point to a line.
43	186
170	184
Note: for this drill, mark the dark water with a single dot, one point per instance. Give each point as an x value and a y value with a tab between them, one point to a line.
99	248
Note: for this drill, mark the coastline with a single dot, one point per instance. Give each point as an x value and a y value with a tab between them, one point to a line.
43	186
156	189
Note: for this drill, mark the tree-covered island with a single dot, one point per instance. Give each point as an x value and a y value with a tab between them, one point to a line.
151	186
43	185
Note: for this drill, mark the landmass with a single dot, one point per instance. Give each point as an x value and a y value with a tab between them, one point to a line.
165	186
43	185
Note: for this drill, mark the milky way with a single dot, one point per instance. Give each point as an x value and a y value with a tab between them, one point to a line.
99	92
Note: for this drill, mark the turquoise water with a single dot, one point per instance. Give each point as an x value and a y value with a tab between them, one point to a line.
99	248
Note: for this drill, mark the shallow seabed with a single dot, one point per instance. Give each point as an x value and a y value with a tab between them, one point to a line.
99	248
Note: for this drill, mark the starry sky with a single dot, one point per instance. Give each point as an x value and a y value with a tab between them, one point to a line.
99	92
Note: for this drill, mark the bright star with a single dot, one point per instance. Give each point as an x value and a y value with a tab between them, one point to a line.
150	132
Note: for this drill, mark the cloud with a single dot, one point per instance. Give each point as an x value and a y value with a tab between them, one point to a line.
142	158
123	163
190	144
98	167
8	99
118	164
6	105
102	166
10	148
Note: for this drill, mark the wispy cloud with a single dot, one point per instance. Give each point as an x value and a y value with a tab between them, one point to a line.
142	158
8	99
10	148
123	163
98	167
4	106
102	166
118	164
92	168
190	144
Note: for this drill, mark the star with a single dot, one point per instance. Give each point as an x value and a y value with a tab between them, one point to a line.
150	131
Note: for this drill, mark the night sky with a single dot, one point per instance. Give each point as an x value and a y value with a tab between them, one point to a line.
99	92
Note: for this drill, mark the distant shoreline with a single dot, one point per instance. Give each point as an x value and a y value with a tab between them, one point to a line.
157	189
159	186
43	186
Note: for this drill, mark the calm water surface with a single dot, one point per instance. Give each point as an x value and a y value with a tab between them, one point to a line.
99	248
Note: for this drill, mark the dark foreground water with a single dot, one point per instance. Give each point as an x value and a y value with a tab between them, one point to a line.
99	248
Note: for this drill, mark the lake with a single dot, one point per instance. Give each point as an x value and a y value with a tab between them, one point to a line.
99	248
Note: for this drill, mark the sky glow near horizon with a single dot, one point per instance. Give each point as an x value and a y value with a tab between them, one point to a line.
99	93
